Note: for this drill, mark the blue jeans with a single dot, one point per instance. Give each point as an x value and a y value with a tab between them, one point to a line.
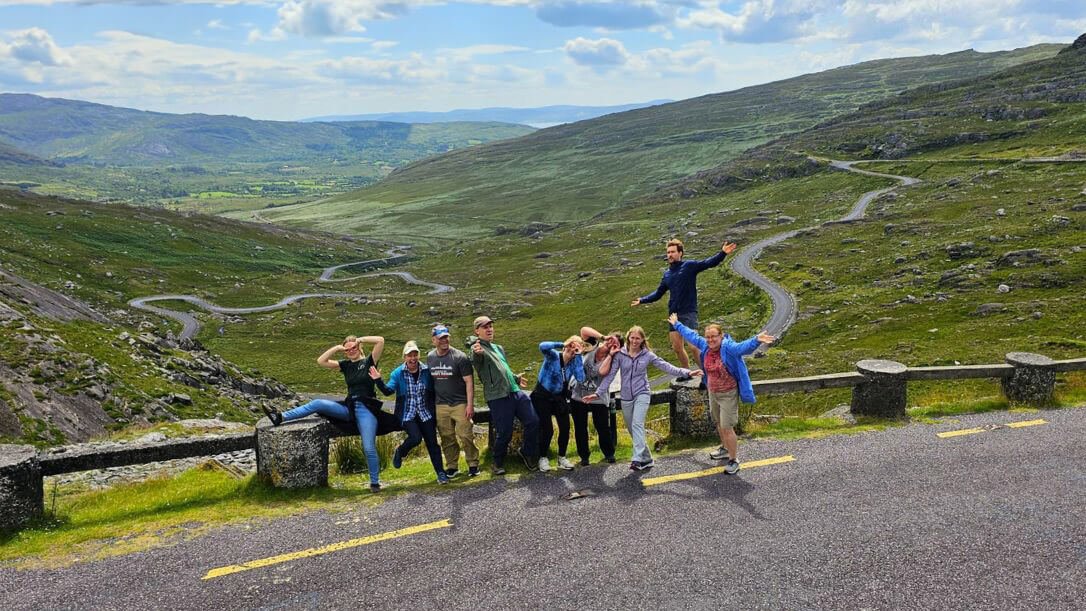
502	411
634	412
367	426
417	431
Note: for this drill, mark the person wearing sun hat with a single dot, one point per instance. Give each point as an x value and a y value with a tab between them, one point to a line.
414	389
454	391
503	394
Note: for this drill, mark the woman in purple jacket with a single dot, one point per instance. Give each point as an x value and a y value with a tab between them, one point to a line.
633	362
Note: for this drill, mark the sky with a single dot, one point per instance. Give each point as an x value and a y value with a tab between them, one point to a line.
292	59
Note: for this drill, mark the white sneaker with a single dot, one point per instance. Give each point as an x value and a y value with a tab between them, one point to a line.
544	464
563	463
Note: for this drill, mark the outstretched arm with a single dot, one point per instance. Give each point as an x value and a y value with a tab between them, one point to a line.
375	375
653	296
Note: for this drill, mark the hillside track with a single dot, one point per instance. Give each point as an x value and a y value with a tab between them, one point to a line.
783	310
892	519
190	325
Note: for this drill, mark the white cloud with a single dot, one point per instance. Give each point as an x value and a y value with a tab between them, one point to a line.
602	53
758	20
33	46
217	24
470	52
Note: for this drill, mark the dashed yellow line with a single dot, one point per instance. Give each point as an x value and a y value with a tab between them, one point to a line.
327	549
1022	423
653	481
960	433
1013	425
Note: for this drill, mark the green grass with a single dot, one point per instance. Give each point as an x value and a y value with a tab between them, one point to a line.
132	517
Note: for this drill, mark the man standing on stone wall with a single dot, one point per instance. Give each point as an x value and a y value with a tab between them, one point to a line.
454	386
680	278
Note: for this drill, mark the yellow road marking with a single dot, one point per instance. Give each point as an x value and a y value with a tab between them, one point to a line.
1022	423
653	481
959	433
327	549
1013	425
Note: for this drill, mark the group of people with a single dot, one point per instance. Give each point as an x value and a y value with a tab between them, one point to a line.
435	398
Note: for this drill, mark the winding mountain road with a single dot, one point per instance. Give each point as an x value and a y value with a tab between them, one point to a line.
784	303
783	313
190	325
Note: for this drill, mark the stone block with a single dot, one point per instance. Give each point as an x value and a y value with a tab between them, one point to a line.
1033	380
293	454
20	486
689	411
883	392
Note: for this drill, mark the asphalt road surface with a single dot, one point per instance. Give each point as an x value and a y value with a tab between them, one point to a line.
895	519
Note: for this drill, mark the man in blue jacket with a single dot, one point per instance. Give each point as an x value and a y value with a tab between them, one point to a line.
680	278
726	379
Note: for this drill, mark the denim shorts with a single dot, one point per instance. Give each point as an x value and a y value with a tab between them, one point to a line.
690	319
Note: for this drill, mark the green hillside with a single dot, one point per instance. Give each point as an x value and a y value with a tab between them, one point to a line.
111	153
572	172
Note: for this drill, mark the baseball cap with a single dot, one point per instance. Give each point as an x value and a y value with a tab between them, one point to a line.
440	330
480	321
410	347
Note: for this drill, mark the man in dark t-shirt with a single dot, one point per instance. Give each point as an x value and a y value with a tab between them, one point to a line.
454	387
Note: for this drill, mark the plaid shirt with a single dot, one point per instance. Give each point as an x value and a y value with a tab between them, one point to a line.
415	401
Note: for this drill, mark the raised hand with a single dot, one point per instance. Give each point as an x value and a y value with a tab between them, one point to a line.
766	338
674	318
728	247
477	348
375	373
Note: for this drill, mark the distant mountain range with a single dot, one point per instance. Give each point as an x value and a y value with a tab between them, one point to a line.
544	116
74	132
574	171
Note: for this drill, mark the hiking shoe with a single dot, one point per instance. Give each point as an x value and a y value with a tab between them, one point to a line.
397	458
530	463
498	470
610	459
442	478
544	464
584	462
376	487
273	415
635	466
732	467
719	454
564	464
645	466
451	473
473	471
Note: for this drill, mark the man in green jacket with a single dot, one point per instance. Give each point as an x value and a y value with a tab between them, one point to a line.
502	390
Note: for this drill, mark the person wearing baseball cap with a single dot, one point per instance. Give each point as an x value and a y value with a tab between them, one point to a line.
454	391
414	390
503	394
